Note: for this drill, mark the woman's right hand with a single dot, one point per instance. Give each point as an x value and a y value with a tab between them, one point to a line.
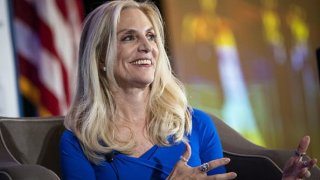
183	171
295	167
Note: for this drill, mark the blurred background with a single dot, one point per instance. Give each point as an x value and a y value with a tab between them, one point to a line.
252	63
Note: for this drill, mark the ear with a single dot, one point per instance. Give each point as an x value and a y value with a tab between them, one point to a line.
102	66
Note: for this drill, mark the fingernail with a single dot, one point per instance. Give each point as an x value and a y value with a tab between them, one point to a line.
235	175
227	160
232	175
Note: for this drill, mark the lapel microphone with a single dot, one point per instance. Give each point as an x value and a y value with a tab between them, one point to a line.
110	156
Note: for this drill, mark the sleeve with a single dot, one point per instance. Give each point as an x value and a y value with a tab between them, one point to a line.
74	164
210	144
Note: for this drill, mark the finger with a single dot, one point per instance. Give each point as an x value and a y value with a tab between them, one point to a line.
313	163
229	175
304	173
304	144
218	162
309	164
187	154
307	174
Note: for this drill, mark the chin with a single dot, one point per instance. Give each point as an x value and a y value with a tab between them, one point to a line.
145	82
148	83
147	79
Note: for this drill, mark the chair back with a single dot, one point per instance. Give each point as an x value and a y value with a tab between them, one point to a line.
32	140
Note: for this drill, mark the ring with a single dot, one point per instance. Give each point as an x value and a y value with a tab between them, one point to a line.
204	167
305	163
184	159
297	153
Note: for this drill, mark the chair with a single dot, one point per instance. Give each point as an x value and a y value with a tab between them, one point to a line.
250	161
29	148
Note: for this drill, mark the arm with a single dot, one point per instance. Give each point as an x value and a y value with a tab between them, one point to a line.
74	164
210	144
210	150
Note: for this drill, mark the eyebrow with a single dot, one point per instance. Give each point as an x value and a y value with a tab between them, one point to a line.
130	31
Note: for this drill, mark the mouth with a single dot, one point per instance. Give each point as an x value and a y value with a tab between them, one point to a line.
141	62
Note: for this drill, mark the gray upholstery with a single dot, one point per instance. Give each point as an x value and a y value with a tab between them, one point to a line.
31	141
26	172
29	148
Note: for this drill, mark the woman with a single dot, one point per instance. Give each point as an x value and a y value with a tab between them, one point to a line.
130	117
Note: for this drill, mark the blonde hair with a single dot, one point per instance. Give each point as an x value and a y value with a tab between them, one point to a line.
92	114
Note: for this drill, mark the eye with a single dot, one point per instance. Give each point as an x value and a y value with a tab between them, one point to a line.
151	37
128	38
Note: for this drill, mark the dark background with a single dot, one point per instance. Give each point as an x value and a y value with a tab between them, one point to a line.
89	5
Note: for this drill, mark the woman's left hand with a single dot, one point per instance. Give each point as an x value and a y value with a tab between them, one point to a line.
182	170
295	168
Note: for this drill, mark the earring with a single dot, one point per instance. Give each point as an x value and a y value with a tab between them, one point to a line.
104	69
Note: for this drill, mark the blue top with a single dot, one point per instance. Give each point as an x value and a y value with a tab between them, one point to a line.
156	163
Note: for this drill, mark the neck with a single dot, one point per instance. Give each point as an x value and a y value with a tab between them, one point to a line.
132	105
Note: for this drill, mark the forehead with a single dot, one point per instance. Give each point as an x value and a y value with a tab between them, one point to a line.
133	18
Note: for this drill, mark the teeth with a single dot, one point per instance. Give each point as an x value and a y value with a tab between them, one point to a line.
142	62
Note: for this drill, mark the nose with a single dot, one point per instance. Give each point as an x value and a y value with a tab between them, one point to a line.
144	45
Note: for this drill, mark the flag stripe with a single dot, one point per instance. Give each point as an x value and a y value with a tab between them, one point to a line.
47	38
28	70
62	7
47	41
25	12
33	86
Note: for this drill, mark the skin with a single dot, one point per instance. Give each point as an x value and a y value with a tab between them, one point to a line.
136	40
295	168
183	171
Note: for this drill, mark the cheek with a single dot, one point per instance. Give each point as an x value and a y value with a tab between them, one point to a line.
119	53
119	66
156	52
121	58
119	62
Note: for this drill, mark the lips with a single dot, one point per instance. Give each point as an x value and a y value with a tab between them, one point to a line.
141	62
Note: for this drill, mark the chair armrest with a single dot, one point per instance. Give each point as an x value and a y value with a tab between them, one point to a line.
11	171
241	151
252	166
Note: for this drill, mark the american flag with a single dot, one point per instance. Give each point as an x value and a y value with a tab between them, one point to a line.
47	34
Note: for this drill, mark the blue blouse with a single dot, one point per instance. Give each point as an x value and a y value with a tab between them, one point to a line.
156	163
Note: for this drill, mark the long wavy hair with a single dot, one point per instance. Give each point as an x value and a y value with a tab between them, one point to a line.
92	114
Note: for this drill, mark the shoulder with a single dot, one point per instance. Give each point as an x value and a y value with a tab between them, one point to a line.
202	122
199	116
68	135
74	163
68	139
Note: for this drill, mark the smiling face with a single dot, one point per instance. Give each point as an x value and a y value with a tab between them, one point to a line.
137	50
